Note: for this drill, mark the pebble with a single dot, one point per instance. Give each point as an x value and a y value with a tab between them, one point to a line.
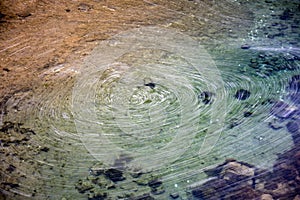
269	1
206	97
266	197
151	85
174	195
247	114
84	7
245	46
242	94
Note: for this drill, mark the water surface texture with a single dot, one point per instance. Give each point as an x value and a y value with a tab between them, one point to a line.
199	102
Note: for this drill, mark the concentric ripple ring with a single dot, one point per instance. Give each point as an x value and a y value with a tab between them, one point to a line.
137	95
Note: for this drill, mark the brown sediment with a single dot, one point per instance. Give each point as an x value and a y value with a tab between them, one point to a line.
39	35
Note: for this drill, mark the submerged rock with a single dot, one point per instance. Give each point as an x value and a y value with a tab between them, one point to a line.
213	189
245	46
242	94
247	114
206	97
151	85
156	187
233	180
293	126
283	110
84	7
114	174
286	15
236	171
174	195
155	183
239	180
267	64
284	172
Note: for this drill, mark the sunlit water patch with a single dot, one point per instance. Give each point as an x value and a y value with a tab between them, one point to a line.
154	101
143	94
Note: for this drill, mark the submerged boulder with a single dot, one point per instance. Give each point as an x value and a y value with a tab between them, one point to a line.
114	174
236	171
283	110
233	180
293	126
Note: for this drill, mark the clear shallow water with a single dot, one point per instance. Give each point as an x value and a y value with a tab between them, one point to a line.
155	103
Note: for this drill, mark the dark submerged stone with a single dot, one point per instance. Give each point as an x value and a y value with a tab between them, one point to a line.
242	94
11	185
45	149
247	114
10	168
285	171
286	15
292	126
174	195
155	183
151	85
213	189
114	174
245	46
206	97
267	64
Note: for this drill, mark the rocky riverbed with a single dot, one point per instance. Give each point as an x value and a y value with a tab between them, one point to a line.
114	99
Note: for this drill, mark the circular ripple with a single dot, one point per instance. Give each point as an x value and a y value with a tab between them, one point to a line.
139	95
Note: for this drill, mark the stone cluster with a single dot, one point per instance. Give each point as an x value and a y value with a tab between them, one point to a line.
267	64
239	180
117	183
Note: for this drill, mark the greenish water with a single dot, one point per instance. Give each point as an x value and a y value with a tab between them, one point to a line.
138	104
